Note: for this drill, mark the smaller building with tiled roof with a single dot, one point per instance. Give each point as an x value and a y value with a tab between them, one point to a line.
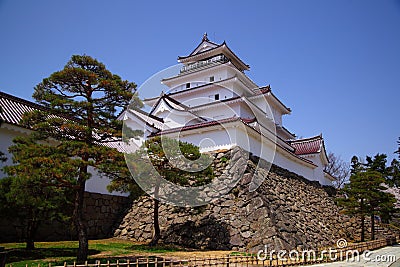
12	109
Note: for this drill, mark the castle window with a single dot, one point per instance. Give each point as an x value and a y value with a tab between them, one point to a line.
188	85
216	97
211	79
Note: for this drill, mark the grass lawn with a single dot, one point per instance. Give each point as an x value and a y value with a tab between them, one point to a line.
57	253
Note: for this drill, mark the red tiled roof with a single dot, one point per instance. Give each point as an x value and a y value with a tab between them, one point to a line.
306	146
263	90
248	120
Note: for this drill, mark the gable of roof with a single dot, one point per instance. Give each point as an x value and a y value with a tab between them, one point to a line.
169	102
211	49
204	45
173	106
150	120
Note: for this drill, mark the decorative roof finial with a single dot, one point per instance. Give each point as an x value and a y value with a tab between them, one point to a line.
205	38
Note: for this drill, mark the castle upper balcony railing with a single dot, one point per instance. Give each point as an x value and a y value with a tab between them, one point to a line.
204	63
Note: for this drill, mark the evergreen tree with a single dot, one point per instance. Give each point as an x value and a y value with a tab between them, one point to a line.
364	195
82	101
377	163
378	202
32	193
161	151
394	173
3	157
355	200
356	165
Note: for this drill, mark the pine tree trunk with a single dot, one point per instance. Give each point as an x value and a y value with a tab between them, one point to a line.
362	228
156	223
157	232
30	234
79	221
372	227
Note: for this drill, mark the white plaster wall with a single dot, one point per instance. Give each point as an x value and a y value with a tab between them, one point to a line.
228	110
294	166
280	156
268	108
239	136
98	184
245	111
95	184
207	139
6	137
177	119
204	96
197	78
319	171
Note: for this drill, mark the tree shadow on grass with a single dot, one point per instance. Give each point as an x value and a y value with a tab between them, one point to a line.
21	254
160	248
208	233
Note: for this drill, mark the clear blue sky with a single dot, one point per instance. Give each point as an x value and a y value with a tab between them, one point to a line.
336	63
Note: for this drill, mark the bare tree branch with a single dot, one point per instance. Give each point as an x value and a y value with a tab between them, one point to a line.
339	169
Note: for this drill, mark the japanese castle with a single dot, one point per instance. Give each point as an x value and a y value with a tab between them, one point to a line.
213	104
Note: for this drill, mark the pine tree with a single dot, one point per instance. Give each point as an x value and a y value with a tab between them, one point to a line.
377	163
82	103
355	200
160	152
356	165
394	173
32	193
364	195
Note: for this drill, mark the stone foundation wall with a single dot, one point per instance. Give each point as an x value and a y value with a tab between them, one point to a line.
285	212
101	212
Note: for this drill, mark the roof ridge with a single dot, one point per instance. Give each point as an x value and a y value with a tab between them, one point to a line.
23	101
308	139
37	106
148	114
176	102
197	125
